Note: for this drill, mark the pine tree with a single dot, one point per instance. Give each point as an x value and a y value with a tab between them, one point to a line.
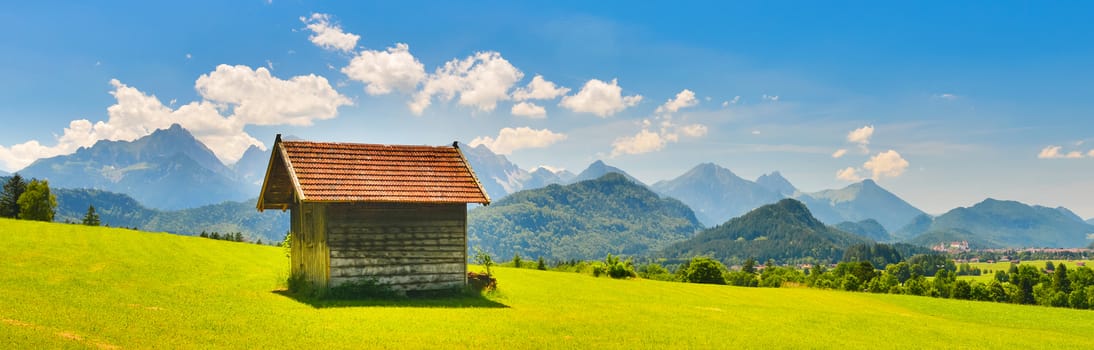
91	218
9	197
37	203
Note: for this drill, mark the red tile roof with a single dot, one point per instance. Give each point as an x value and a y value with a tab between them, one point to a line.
350	172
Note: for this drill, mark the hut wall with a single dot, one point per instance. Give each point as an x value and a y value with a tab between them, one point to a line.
405	246
309	244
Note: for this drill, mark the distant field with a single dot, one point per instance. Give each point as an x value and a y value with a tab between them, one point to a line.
66	286
1005	265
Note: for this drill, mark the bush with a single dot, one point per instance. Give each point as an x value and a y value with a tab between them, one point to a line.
619	269
702	269
484	259
481	282
599	269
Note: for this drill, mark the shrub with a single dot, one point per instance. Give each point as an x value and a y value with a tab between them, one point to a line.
481	282
484	259
619	269
599	269
702	269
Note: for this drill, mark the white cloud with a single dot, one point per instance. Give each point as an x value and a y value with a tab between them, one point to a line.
384	71
233	97
734	101
684	99
643	142
839	153
888	163
947	96
528	109
1090	154
646	141
481	81
539	89
510	139
600	98
188	56
772	98
861	135
693	130
755	132
848	174
1053	152
328	36
258	98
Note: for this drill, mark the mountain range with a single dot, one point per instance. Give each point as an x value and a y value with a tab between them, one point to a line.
585	220
1003	224
784	231
717	194
168	169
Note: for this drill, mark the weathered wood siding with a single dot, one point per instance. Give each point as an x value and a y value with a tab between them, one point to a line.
310	255
405	246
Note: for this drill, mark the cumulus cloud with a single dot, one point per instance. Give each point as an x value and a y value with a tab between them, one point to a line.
848	174
734	101
839	153
528	109
888	163
600	98
329	36
684	99
946	96
384	71
510	139
646	141
643	142
1054	152
772	98
258	98
480	80
885	164
232	98
861	135
539	89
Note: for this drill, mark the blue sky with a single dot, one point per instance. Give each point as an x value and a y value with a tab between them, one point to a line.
943	103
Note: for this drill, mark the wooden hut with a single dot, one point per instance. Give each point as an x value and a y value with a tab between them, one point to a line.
390	213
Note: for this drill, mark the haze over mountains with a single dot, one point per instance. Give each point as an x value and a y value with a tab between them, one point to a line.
169	170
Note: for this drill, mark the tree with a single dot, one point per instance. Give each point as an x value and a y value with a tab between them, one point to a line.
91	218
541	264
516	260
9	197
37	203
702	269
749	266
1059	279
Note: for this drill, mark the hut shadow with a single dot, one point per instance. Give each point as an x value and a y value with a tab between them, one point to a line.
459	301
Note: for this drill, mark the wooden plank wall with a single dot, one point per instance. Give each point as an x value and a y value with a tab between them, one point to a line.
309	255
406	246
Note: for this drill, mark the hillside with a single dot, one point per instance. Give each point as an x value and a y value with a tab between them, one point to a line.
70	286
586	220
1009	224
119	210
868	228
716	194
861	201
784	231
168	169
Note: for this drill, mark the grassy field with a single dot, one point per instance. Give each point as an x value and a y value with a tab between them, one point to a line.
989	269
67	286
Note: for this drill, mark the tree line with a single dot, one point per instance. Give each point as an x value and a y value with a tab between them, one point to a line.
24	200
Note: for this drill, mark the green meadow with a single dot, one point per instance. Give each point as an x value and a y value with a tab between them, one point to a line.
69	286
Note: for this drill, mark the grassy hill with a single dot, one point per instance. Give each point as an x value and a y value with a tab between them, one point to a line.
68	286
